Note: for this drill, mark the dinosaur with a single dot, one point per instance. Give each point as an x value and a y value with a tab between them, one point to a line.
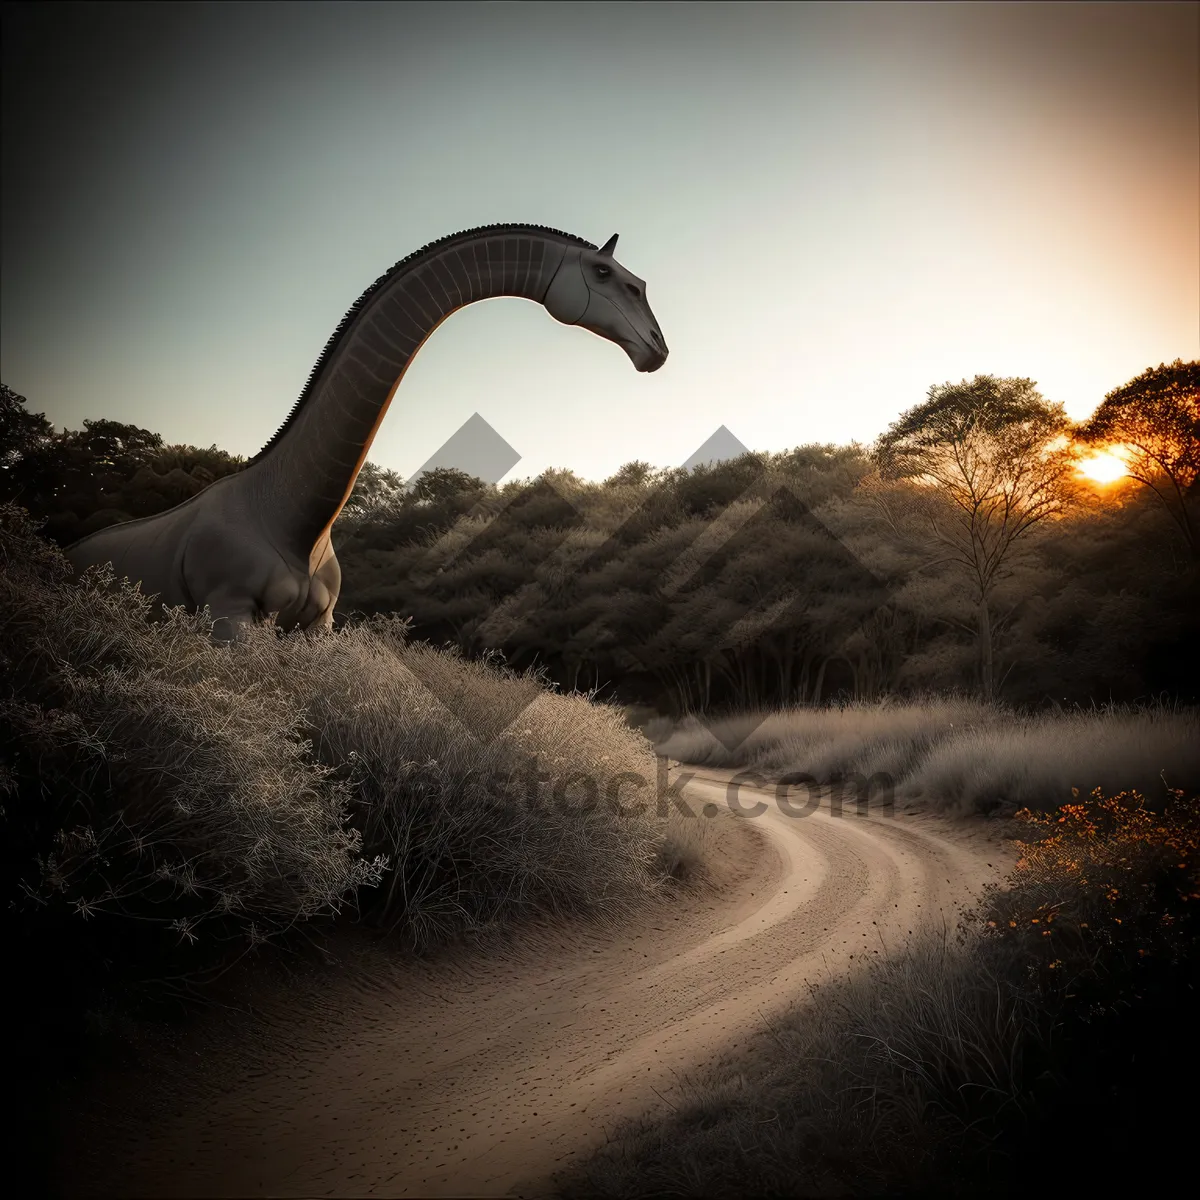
257	545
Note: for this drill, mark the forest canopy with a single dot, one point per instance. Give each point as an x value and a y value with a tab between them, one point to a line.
964	551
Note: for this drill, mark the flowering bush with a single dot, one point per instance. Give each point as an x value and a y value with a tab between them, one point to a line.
1107	873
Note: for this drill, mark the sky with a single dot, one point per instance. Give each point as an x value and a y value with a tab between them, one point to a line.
834	207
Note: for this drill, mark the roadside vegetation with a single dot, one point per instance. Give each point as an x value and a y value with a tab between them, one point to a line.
1045	1049
959	755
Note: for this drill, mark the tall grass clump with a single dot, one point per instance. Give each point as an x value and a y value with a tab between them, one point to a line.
957	754
1041	1050
488	795
139	787
1036	761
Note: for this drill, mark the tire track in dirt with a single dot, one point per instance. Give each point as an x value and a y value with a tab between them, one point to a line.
483	1073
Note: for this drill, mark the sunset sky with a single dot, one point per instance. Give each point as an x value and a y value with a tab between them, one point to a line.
834	207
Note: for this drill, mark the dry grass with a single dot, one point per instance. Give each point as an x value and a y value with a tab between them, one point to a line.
957	755
488	795
1036	761
167	805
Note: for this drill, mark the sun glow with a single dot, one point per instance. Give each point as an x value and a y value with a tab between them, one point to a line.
1104	467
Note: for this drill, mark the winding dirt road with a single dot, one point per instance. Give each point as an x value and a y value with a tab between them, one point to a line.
485	1074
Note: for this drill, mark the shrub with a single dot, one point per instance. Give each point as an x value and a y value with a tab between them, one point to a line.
167	804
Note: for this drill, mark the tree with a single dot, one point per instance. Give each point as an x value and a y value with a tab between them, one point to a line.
85	479
173	475
374	489
90	464
1155	420
23	435
446	483
987	462
637	473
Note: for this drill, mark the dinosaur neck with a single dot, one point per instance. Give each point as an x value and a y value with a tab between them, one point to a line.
304	477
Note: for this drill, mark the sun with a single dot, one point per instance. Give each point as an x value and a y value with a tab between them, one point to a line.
1104	467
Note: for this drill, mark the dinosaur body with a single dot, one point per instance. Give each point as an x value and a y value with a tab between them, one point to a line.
258	544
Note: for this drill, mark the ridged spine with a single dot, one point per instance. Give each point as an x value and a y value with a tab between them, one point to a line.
464	237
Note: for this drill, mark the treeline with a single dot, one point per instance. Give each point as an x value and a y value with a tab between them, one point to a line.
964	551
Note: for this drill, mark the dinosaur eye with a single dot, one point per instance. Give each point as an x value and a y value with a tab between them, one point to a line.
603	272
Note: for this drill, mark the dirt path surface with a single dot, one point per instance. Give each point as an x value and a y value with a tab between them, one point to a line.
484	1074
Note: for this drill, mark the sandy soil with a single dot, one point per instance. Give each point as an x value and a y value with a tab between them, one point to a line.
483	1073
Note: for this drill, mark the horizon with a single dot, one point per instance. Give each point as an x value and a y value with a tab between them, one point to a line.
964	189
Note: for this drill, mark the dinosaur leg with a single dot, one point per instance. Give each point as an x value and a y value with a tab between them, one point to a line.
324	590
237	576
324	622
232	613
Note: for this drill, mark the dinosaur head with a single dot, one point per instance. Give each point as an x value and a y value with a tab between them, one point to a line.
592	289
